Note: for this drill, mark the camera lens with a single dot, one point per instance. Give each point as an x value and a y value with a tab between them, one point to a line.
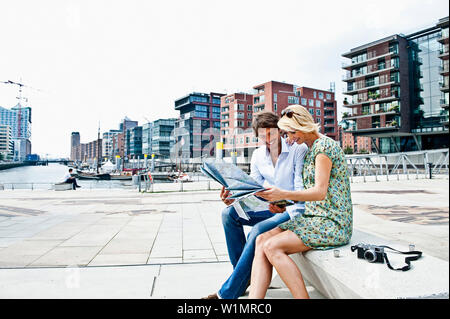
370	255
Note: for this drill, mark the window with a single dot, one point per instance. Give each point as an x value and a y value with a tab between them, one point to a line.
199	99
317	103
201	108
249	107
311	111
328	96
311	102
292	99
275	107
304	101
320	95
275	97
315	94
239	115
318	112
239	107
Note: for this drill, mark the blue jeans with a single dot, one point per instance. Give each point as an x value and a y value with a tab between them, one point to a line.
242	251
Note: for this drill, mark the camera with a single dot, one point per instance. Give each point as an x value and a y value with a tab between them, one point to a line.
371	253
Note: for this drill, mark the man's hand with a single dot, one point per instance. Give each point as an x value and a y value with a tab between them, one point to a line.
276	209
224	195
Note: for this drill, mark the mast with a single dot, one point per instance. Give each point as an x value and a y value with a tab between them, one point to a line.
98	148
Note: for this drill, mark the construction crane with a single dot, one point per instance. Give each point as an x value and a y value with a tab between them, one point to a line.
20	98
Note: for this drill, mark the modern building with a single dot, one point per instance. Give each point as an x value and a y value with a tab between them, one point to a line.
118	145
18	119
74	144
85	152
238	109
107	143
147	133
163	137
134	136
395	88
6	143
198	128
444	69
125	126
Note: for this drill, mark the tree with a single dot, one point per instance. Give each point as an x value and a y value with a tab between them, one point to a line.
348	150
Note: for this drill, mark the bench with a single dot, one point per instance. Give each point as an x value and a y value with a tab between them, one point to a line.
347	277
63	186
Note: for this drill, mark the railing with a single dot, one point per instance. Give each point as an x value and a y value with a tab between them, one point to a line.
420	163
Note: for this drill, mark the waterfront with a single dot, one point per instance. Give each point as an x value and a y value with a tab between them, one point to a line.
43	177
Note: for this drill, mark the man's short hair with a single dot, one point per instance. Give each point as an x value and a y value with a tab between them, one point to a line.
70	169
264	120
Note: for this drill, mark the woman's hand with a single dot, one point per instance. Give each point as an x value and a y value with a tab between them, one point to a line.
224	197
272	194
276	209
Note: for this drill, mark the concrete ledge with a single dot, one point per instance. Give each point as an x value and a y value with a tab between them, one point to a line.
63	187
349	277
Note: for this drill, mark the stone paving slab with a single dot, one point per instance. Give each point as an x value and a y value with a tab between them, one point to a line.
73	282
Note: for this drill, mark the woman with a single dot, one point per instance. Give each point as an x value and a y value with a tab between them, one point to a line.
327	221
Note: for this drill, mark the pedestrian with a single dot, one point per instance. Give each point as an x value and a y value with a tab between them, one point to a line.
328	218
278	164
68	178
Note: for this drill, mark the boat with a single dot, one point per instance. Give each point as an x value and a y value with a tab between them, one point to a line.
120	177
182	177
95	176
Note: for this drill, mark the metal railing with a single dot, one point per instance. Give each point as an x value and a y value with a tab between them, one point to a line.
419	164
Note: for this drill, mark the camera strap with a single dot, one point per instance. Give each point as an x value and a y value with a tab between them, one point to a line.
408	260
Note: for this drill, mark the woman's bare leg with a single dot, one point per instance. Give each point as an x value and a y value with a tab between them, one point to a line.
261	267
277	249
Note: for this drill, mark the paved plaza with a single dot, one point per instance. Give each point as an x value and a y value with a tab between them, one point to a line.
124	244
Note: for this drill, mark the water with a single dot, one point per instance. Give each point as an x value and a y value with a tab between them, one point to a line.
43	177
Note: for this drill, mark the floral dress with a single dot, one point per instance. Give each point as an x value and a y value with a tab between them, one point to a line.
327	223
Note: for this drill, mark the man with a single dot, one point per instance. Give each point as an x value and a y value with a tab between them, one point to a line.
68	178
277	164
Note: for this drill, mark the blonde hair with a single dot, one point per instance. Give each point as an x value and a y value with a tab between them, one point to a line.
301	120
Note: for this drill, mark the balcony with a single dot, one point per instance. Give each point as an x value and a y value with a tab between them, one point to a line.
443	86
444	103
357	115
348	77
443	52
351	65
443	37
443	69
376	100
444	120
353	91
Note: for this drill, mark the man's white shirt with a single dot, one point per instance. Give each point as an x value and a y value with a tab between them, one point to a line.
287	173
67	176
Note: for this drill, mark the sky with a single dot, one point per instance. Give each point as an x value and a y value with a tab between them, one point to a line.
91	63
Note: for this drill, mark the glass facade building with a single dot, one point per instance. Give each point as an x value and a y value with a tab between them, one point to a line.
162	137
198	127
134	136
18	119
397	93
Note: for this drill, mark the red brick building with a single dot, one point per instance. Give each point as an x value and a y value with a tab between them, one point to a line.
237	112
